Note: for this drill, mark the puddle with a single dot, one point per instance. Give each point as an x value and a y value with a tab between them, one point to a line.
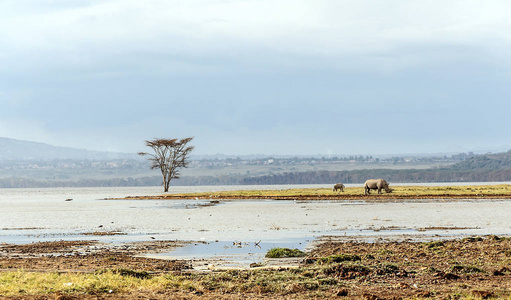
232	254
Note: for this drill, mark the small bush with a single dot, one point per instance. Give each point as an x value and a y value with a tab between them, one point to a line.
339	258
387	269
284	252
496	238
436	244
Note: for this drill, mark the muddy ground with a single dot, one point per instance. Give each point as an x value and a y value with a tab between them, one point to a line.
87	256
471	267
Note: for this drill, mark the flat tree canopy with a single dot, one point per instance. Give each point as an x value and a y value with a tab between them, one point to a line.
170	155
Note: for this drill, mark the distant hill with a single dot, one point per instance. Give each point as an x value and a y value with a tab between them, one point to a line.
478	168
12	149
497	161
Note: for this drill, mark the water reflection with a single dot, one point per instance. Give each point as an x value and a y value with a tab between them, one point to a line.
236	254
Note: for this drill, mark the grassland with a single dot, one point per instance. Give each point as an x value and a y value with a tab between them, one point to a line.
355	193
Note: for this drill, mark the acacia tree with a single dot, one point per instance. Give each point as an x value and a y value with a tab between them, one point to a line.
170	155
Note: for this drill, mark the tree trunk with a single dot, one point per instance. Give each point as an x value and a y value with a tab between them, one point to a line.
165	182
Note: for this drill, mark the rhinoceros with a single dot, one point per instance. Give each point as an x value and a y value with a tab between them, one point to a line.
339	186
376	184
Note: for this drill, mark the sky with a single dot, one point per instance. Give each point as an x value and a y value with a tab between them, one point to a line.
287	77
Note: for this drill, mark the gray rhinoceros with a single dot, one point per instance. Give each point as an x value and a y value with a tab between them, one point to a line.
339	186
376	184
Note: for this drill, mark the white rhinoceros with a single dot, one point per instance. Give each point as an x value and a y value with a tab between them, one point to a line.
376	184
339	186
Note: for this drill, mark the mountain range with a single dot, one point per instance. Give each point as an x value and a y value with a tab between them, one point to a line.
12	149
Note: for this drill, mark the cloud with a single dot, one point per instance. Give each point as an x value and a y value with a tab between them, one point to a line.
23	128
251	72
179	33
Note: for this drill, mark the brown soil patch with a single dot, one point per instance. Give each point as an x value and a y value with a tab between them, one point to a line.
480	267
87	256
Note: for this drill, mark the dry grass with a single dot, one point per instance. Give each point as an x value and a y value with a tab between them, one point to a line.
31	283
415	191
503	189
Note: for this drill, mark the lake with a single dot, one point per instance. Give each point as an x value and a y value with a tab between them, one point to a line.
30	215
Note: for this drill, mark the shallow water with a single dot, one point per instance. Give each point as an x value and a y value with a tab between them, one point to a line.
29	215
230	254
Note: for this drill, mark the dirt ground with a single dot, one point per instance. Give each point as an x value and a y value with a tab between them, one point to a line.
87	256
479	267
472	267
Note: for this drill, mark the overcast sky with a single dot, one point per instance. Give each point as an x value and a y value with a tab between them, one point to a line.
258	76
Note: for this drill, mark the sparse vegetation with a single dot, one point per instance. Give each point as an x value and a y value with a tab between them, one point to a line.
284	252
436	244
469	270
472	239
399	192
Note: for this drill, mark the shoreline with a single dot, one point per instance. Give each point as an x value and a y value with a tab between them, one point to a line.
399	193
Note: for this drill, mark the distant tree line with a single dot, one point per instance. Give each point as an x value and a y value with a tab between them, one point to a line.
391	175
216	163
488	167
310	177
16	182
479	168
